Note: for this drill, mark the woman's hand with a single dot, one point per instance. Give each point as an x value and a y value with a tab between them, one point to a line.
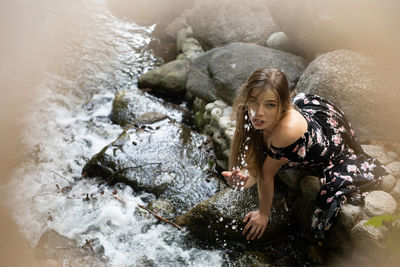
236	179
256	224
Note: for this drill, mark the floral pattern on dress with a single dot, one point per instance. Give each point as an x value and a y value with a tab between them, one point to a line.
347	172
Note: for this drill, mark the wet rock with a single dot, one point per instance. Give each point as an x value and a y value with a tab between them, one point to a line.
198	81
379	203
129	106
162	207
343	76
169	78
150	117
280	41
231	65
220	218
168	163
216	23
55	248
191	48
388	183
394	169
252	258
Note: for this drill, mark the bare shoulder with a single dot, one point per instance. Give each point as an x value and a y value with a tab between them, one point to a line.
289	129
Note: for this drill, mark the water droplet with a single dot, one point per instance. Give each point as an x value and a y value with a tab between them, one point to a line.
233	227
221	219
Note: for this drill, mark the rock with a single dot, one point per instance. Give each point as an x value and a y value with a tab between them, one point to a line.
318	27
198	81
231	65
53	248
220	218
349	215
368	239
169	78
280	41
379	203
394	169
290	177
343	76
162	207
217	23
150	117
129	106
396	190
181	36
388	183
310	186
169	163
304	204
252	258
377	152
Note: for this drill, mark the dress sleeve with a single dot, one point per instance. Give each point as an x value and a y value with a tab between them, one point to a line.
295	152
276	152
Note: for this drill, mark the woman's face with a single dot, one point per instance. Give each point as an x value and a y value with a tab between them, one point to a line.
262	109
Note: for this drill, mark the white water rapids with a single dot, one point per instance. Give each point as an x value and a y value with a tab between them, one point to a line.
67	122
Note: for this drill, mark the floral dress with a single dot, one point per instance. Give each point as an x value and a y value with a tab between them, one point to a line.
330	145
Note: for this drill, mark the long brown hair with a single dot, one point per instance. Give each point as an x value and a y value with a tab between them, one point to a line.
247	146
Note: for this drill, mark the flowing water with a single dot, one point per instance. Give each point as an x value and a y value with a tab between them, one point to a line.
68	122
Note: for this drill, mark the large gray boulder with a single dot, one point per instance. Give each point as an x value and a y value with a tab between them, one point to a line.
219	22
198	82
234	63
227	68
319	26
165	158
352	81
220	218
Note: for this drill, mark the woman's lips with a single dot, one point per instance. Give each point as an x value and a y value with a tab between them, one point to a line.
258	123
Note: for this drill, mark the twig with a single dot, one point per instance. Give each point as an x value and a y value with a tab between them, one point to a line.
59	175
161	218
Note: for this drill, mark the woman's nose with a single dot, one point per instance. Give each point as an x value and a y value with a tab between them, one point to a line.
259	110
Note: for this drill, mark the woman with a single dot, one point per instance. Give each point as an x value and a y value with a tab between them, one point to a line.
271	133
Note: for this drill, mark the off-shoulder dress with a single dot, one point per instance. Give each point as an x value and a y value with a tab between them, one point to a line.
346	171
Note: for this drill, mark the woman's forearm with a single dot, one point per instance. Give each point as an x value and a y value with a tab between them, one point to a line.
265	194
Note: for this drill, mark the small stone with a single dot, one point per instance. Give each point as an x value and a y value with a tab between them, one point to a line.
229	133
388	182
396	190
379	203
216	113
209	107
224	123
221	104
227	111
394	169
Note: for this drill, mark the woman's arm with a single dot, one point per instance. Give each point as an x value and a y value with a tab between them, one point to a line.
257	220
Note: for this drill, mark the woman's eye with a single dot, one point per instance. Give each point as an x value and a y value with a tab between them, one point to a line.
269	105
